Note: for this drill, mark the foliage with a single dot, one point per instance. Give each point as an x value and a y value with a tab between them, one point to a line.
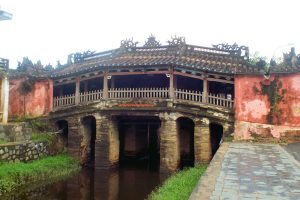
180	185
275	95
258	60
23	66
15	176
2	141
48	67
39	125
26	86
48	137
27	63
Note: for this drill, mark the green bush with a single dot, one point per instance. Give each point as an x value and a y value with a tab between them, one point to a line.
180	185
14	176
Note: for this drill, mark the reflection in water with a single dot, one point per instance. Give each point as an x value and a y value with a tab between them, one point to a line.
132	183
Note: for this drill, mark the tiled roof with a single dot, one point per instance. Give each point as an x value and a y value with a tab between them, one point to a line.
192	57
32	72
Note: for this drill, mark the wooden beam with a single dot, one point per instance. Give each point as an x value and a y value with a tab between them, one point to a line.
137	73
201	78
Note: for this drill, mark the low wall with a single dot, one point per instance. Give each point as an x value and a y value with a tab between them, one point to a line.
23	151
256	131
15	132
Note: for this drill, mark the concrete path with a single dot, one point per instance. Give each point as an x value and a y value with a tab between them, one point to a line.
294	149
250	171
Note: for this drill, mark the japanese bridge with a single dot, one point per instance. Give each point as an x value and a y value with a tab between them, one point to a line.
171	103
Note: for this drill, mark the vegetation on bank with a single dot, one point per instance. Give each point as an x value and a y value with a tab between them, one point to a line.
180	185
15	176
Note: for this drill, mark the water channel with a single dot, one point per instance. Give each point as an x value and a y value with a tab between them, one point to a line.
129	182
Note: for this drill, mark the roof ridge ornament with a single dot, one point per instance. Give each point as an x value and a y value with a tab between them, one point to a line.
176	41
152	42
128	43
234	49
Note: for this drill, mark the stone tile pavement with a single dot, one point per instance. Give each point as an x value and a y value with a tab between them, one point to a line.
250	171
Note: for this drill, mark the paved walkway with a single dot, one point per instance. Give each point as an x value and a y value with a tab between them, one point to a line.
250	171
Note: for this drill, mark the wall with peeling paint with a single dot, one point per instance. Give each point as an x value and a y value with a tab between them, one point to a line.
38	102
253	108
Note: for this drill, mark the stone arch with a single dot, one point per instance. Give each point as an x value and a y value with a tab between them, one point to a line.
87	143
62	128
216	136
185	130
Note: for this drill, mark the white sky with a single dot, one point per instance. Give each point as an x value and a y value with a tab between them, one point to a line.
49	30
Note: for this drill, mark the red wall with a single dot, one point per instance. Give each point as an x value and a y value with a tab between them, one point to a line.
37	103
253	106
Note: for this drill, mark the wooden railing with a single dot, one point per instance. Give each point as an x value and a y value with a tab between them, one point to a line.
220	100
188	95
64	101
91	96
138	93
146	93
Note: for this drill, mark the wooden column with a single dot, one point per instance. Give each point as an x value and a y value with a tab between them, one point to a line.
205	90
171	89
4	99
77	91
105	86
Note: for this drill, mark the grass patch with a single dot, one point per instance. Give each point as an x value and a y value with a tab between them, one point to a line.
180	185
16	176
48	137
2	141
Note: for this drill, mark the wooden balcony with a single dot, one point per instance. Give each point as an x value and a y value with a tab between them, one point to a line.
219	100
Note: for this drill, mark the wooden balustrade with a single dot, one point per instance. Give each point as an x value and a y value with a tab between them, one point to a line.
146	93
188	95
138	93
64	101
91	96
220	100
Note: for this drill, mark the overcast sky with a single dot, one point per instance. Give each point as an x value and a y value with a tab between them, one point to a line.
49	30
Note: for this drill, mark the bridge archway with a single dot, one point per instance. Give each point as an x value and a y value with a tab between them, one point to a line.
216	135
62	128
88	140
139	141
185	129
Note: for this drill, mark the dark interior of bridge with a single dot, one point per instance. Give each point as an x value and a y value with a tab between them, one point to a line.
145	81
216	134
186	140
62	128
89	134
139	141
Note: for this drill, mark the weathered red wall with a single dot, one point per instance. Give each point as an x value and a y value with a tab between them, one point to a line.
37	103
252	106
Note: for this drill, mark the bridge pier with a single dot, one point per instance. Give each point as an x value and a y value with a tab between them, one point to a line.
107	142
169	144
73	137
202	141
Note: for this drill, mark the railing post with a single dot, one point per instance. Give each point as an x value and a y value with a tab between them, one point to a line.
77	91
105	86
171	88
205	90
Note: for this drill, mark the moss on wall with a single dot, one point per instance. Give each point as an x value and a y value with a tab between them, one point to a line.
273	90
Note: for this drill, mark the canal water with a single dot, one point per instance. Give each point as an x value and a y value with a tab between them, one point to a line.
129	182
